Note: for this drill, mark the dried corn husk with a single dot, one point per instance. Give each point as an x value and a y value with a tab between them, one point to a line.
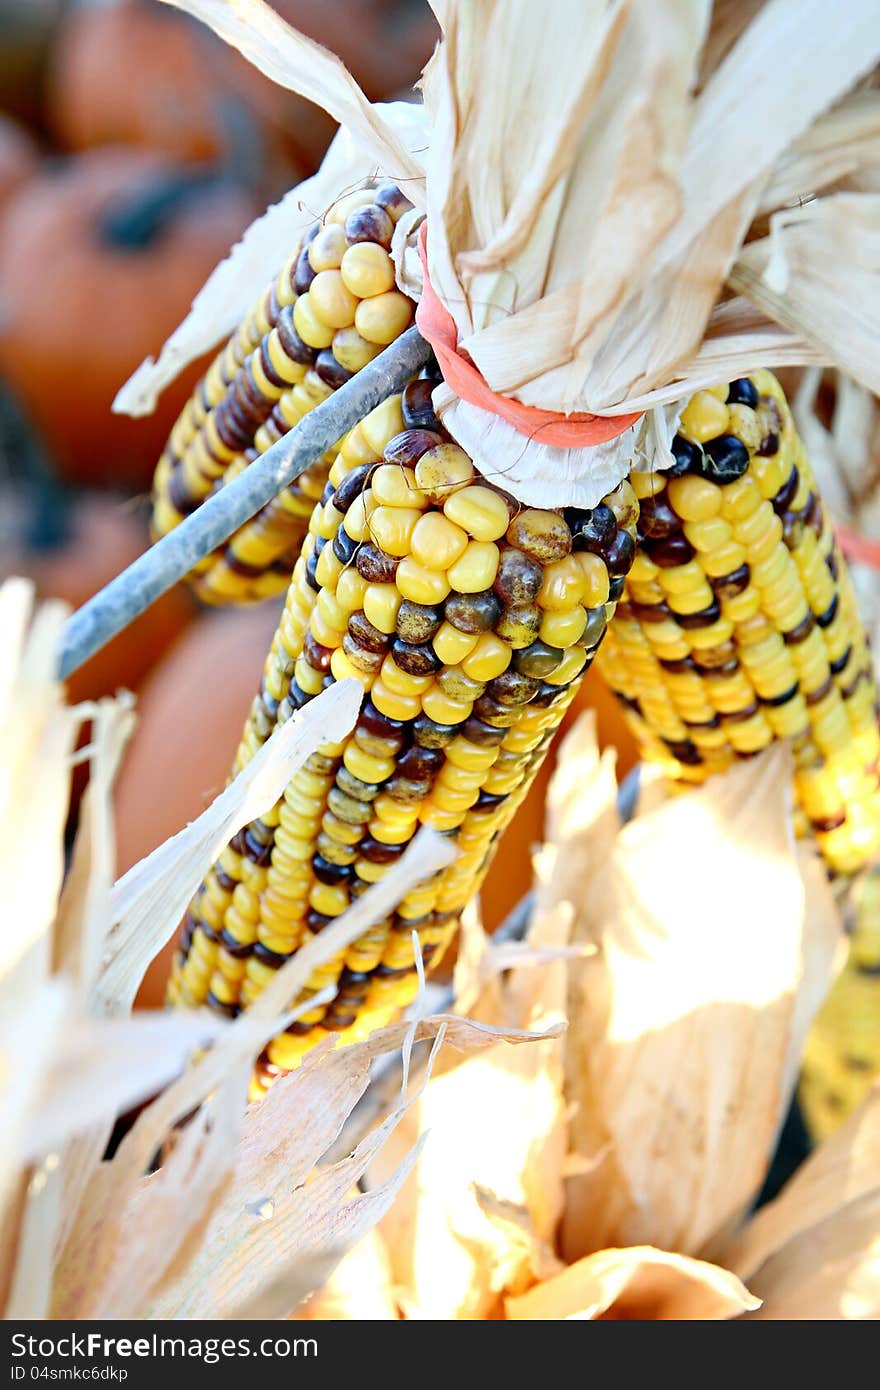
663	1158
585	240
679	1062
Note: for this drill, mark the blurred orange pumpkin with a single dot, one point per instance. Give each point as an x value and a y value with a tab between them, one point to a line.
27	30
100	536
134	72
98	264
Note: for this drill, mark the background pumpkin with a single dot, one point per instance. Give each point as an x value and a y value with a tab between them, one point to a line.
102	534
18	159
98	263
134	72
27	30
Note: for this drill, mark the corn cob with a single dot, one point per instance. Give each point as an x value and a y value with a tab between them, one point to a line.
469	622
738	623
331	310
842	1054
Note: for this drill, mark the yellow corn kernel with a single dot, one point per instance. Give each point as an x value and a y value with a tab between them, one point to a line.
470	756
389	832
476	569
307	678
437	542
725	560
393	705
695	499
381	603
597	581
442	470
351	587
391	528
705	417
367	766
328	248
367	270
344	669
490	656
444	710
419	584
329	898
395	486
382	424
352	351
709	535
343	207
564	585
452	646
400	682
479	511
309	325
647	484
383	317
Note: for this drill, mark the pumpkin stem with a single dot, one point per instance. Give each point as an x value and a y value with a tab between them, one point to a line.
134	221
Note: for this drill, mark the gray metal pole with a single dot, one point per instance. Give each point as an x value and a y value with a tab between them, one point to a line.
172	557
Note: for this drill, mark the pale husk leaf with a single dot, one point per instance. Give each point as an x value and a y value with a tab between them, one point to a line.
594	292
275	1210
478	1214
818	273
85	1085
674	999
842	143
37	736
360	1288
96	1242
814	1249
640	1283
830	1273
84	909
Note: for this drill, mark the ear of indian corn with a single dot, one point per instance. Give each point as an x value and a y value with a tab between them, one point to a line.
332	308
842	1054
738	623
469	622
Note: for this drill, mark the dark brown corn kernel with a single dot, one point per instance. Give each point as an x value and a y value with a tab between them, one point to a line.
417	407
418	623
518	581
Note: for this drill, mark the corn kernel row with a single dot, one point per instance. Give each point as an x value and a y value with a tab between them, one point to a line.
842	1054
739	625
469	622
330	311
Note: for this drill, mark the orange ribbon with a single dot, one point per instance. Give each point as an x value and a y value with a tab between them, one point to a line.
576	431
856	547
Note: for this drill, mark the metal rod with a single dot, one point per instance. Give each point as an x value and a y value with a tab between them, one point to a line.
172	557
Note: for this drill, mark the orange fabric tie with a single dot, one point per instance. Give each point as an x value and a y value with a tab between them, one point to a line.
437	326
858	548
